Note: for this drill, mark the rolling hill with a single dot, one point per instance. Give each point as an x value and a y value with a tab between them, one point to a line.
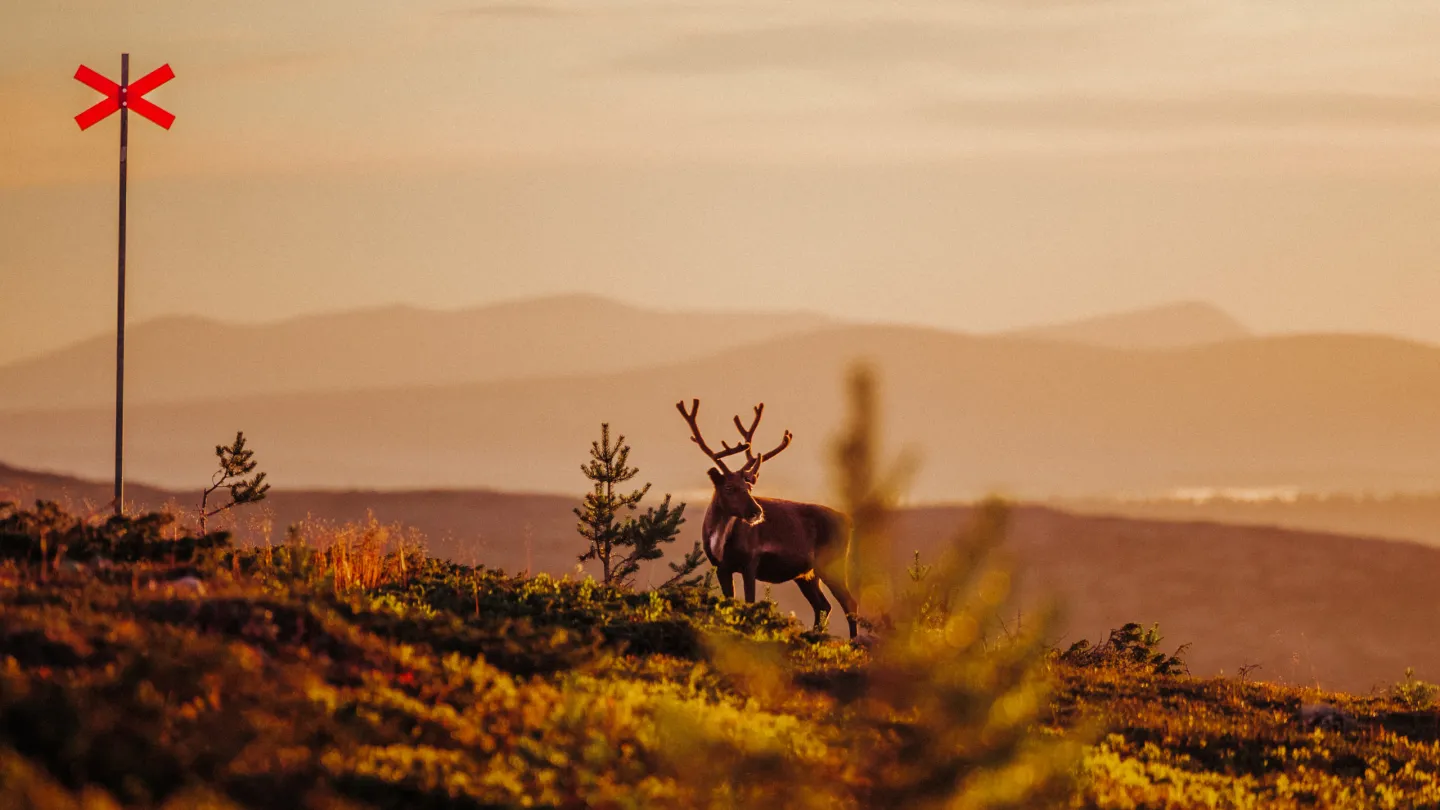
1172	326
1305	606
185	358
1025	417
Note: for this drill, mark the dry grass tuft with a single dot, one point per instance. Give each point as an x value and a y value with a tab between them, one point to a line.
363	555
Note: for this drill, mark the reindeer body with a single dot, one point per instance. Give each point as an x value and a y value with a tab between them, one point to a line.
769	539
791	541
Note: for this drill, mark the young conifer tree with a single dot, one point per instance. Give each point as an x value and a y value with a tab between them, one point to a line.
619	539
236	462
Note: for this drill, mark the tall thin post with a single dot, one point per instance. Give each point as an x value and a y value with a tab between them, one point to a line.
120	307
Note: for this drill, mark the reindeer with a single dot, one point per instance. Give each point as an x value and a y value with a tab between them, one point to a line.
769	539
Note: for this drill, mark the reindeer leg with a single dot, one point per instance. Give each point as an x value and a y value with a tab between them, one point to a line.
749	576
810	586
727	582
847	602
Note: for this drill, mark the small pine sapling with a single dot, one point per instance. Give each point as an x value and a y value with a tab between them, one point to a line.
926	594
618	540
236	462
1130	647
1413	693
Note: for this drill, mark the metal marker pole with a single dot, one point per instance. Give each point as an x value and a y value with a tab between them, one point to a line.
120	309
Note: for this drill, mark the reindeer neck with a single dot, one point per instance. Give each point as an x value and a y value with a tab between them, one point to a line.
716	517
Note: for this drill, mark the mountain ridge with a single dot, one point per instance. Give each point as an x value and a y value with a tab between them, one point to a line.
1164	326
183	357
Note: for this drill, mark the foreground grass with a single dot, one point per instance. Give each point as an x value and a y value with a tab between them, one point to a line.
191	675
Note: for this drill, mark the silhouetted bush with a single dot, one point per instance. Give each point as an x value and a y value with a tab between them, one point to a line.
1130	647
47	532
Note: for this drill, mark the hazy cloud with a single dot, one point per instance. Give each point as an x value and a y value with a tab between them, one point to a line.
1149	113
513	10
846	47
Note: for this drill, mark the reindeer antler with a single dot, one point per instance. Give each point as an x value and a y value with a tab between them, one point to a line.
696	437
750	458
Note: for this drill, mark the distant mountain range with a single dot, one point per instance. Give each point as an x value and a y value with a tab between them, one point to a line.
1016	414
1305	606
184	358
1174	326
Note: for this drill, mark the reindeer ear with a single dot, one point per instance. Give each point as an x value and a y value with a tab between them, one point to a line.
717	476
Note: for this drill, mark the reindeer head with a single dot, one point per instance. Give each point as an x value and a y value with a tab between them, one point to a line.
733	489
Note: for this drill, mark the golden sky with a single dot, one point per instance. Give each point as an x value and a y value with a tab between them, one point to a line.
975	164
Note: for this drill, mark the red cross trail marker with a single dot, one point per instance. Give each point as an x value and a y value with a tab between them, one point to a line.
118	96
123	97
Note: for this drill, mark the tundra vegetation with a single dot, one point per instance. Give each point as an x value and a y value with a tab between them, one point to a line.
343	668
